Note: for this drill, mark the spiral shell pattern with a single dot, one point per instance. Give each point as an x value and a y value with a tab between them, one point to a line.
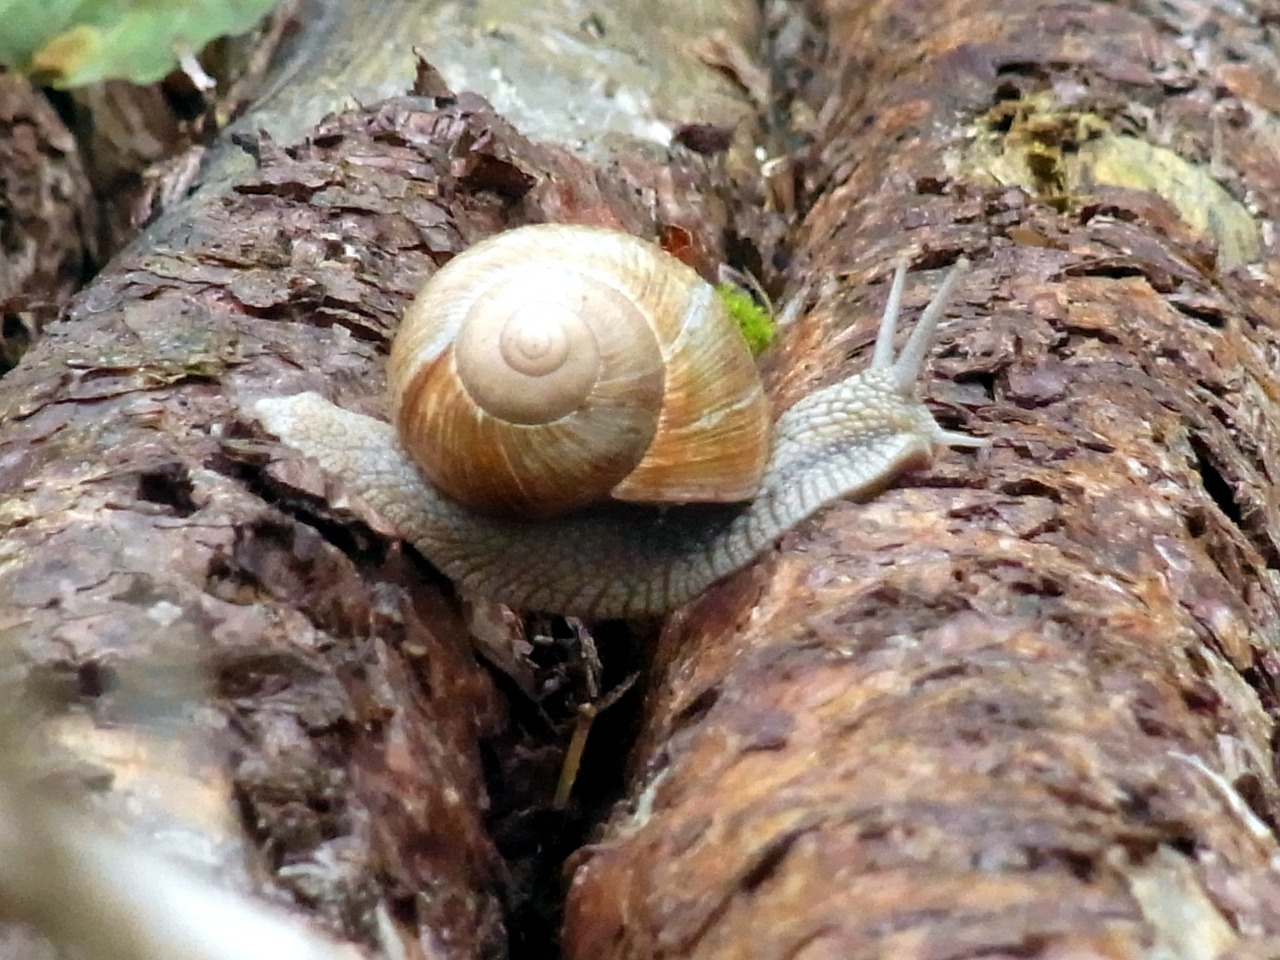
550	367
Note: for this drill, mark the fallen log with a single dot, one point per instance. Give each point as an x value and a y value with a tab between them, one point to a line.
328	706
1021	704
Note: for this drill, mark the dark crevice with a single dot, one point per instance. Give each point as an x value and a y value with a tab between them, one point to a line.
768	860
984	379
322	313
1212	480
1025	487
522	766
1248	519
1211	315
1114	269
1263	682
170	486
351	536
697	708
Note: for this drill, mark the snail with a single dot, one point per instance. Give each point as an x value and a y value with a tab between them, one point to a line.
632	541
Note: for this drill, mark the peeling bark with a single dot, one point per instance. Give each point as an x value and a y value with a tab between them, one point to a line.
1019	705
83	169
1022	704
151	548
50	230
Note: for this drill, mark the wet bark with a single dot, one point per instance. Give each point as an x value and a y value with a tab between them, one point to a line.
51	226
1023	703
84	169
1019	705
156	563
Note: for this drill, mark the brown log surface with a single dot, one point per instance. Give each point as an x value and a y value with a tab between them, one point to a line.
82	169
136	534
334	760
604	82
1022	704
50	230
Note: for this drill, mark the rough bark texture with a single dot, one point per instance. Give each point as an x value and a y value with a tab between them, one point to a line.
82	170
147	544
606	79
348	703
1021	705
50	225
1018	706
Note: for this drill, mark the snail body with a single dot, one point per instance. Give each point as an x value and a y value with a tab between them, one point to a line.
554	366
611	558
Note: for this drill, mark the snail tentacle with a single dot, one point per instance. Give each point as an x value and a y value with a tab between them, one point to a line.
614	560
882	357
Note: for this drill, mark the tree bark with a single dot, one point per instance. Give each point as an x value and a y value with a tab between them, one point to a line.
149	552
51	225
1022	704
83	168
1019	705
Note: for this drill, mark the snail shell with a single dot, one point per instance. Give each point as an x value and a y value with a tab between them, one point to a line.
554	366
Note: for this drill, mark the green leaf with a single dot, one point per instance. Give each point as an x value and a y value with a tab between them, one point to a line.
70	43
